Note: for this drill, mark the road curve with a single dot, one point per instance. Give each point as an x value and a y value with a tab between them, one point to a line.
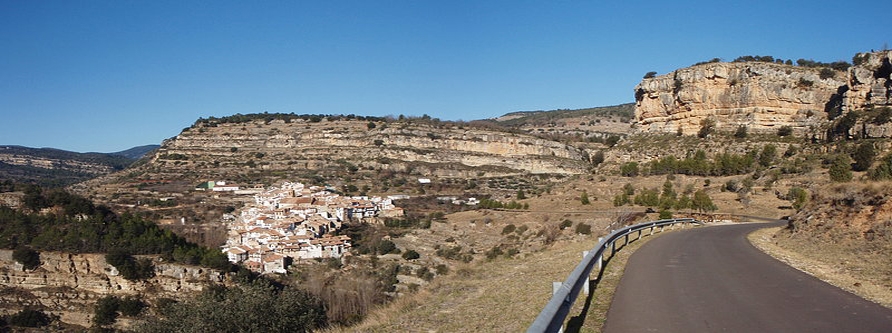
711	279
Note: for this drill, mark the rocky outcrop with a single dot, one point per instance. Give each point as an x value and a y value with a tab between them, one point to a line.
762	96
68	285
870	82
765	96
444	150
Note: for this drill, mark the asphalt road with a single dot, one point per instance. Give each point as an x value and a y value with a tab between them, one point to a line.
711	279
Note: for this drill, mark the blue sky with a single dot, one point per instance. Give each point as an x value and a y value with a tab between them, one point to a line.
109	75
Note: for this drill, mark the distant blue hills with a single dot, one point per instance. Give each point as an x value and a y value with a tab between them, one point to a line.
52	167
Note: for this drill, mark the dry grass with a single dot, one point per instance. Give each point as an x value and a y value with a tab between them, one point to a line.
861	276
503	295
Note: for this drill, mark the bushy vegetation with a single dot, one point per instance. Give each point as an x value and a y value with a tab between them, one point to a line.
495	204
836	65
26	256
840	169
583	228
798	197
259	306
286	117
724	164
74	224
28	317
128	266
411	255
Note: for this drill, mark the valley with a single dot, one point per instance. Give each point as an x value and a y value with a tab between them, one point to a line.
746	138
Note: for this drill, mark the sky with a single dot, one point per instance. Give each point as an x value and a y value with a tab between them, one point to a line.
105	76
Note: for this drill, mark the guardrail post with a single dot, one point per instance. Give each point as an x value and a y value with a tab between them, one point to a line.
588	279
652	230
639	234
599	262
555	287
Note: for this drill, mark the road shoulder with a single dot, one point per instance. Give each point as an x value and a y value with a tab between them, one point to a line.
835	274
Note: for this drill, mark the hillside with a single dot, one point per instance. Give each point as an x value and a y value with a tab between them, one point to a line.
551	179
136	153
57	168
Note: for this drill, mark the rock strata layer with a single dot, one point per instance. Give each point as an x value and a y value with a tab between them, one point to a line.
68	285
761	96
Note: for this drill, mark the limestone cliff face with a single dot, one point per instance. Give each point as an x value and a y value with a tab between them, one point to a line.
69	285
870	82
762	96
445	150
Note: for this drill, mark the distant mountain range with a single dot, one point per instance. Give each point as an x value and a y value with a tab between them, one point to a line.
136	153
55	167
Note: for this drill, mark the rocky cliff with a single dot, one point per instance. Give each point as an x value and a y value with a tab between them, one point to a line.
870	81
760	95
68	285
302	146
763	96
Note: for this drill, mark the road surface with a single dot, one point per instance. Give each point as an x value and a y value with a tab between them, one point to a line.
711	279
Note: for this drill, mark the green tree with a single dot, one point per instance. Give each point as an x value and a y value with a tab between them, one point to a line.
629	169
28	318
583	228
864	155
798	197
521	195
845	124
741	132
106	311
883	169
598	158
411	255
129	267
840	169
707	127
769	153
668	196
258	306
683	202
629	189
566	223
621	200
702	202
131	306
26	256
647	198
385	247
583	198
785	130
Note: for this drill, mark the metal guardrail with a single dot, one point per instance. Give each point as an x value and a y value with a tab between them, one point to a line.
552	317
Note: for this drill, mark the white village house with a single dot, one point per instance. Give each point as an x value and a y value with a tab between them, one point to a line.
291	223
